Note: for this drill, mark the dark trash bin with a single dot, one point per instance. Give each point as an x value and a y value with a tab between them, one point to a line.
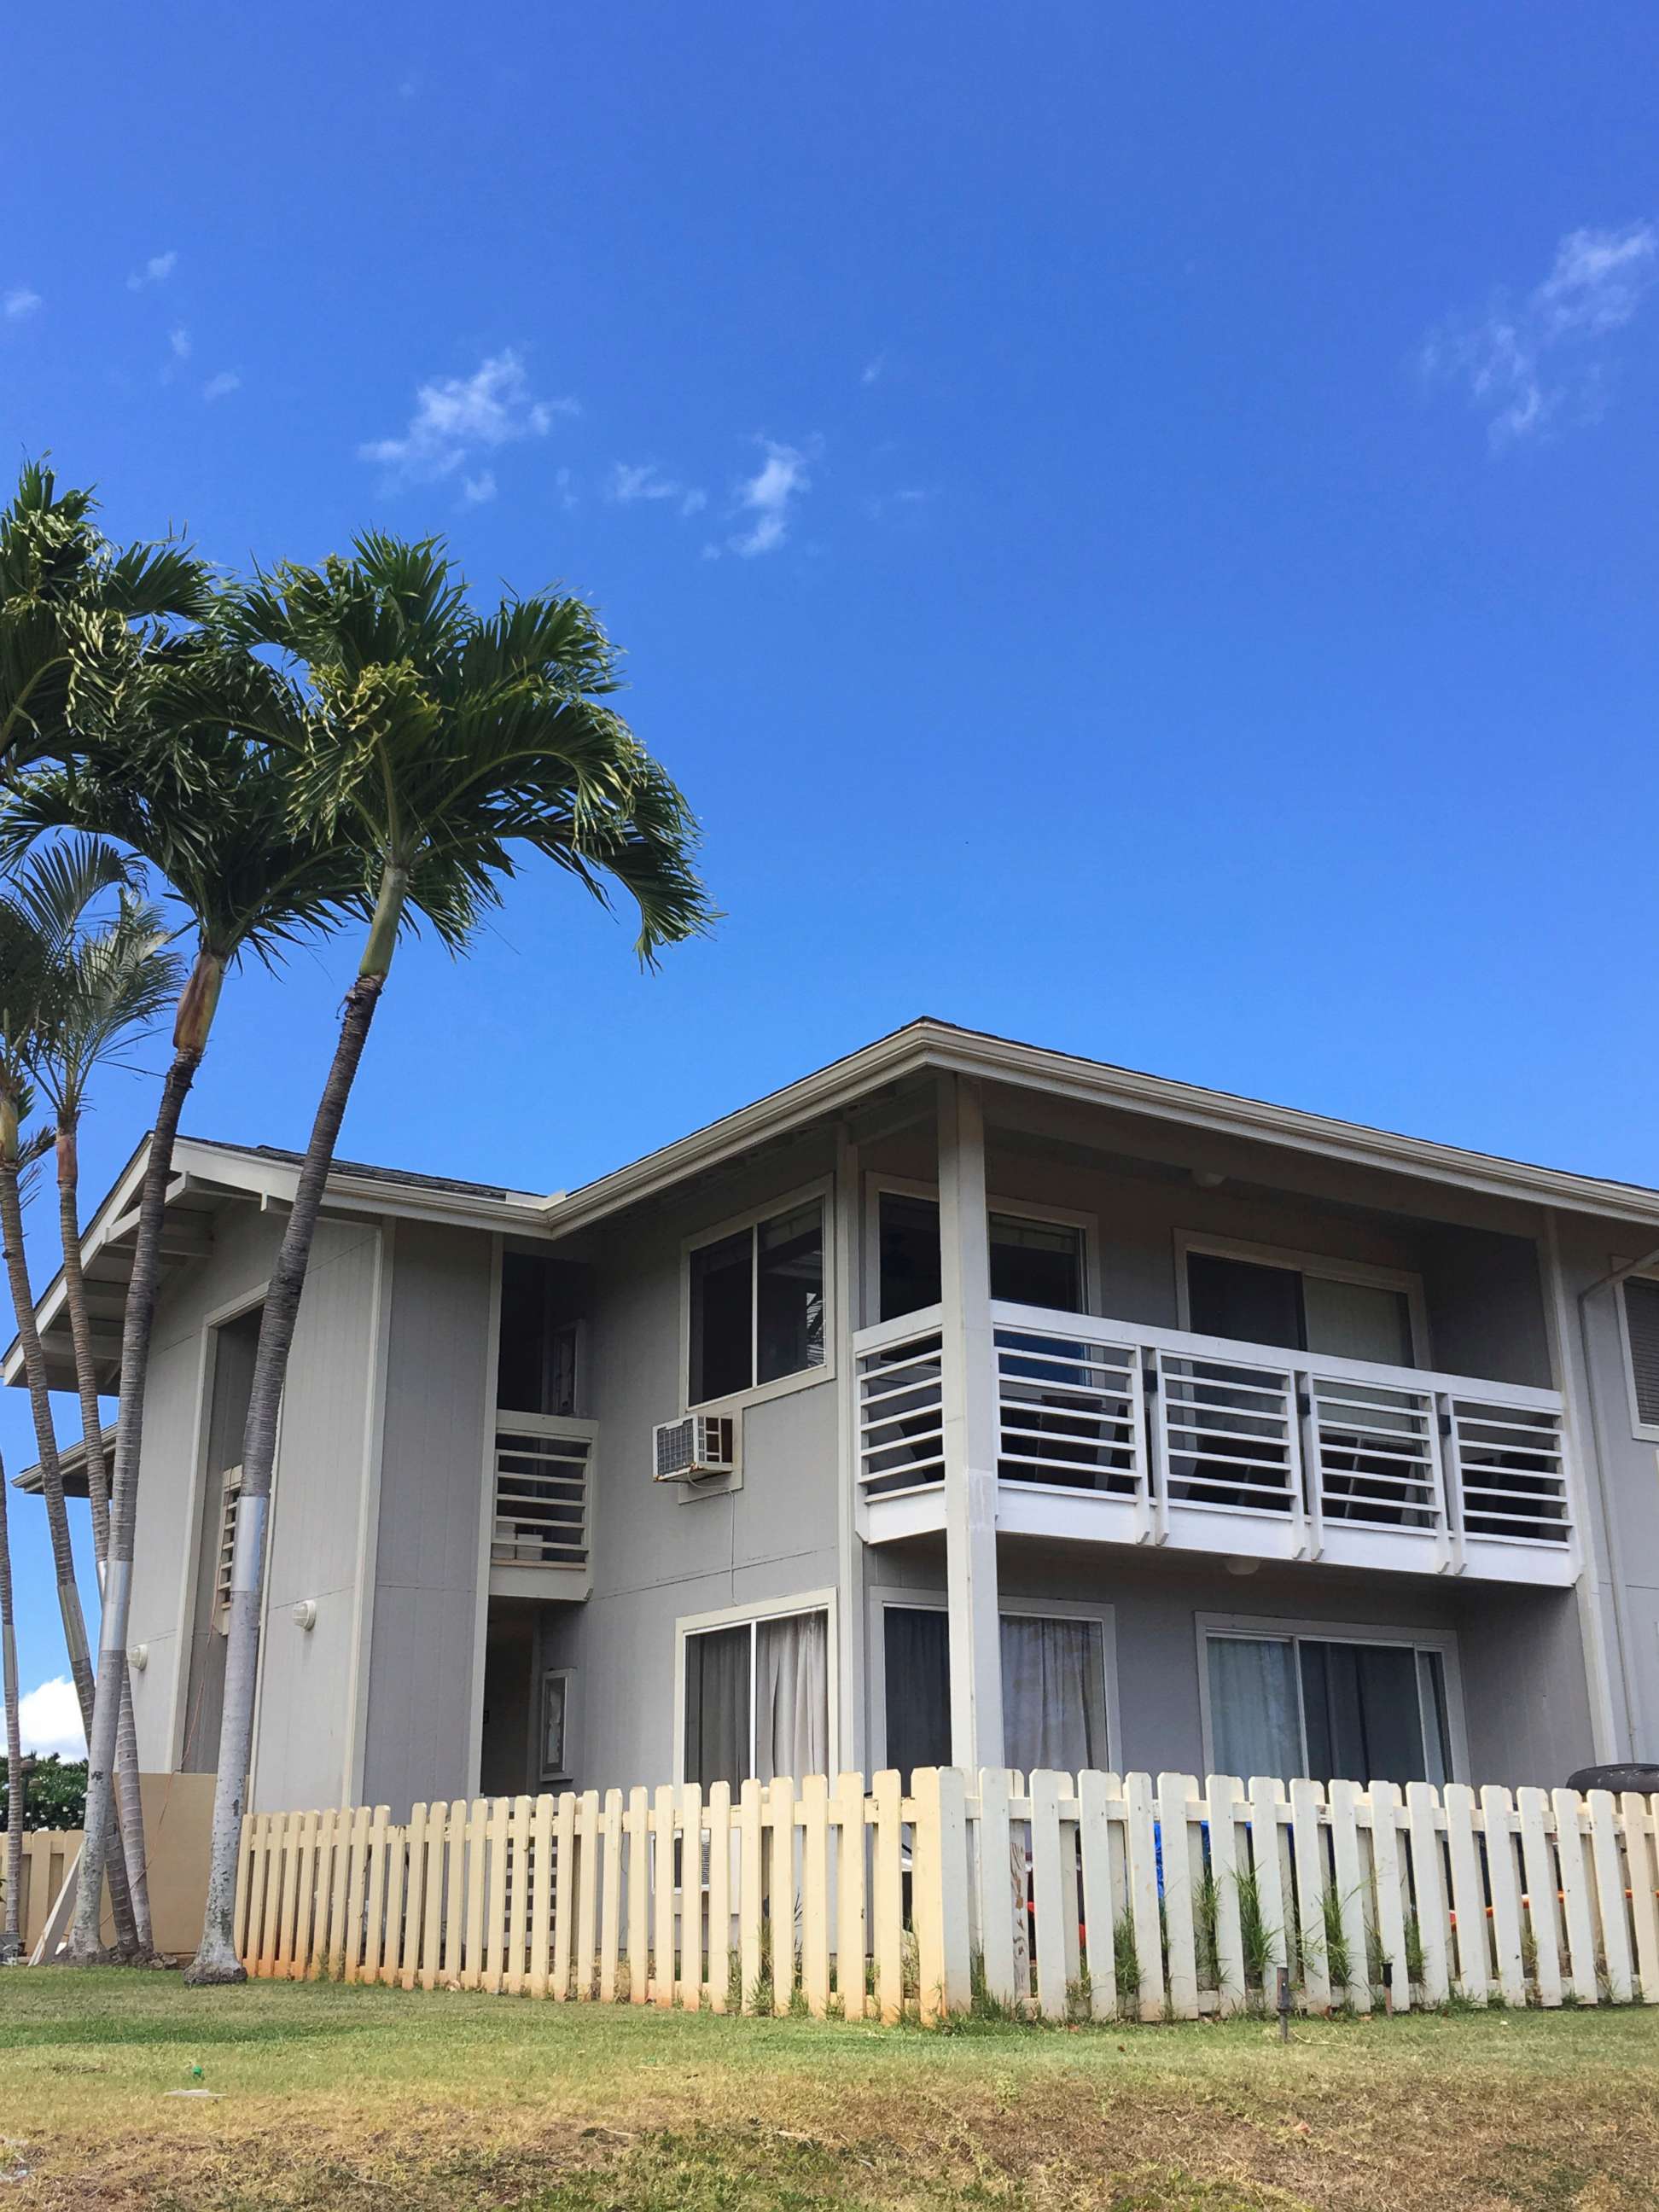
1643	1776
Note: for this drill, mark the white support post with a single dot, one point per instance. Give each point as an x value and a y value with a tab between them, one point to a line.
968	1363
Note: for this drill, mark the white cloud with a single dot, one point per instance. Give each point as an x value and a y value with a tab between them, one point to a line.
780	478
21	303
179	341
220	386
567	494
646	481
155	270
1523	363
874	369
456	415
50	1718
906	498
476	490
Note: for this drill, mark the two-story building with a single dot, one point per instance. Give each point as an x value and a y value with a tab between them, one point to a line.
1040	1413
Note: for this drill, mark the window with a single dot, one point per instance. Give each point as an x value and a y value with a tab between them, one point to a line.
1053	1689
757	1699
1319	1706
1033	1262
555	1761
536	1361
756	1304
1299	1306
1641	1296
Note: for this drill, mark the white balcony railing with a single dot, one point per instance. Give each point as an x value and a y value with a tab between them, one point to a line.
539	1537
1134	1434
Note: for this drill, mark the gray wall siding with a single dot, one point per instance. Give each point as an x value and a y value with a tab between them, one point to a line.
659	1553
422	1694
307	1675
305	1680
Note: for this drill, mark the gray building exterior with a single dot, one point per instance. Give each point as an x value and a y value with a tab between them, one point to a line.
1054	1415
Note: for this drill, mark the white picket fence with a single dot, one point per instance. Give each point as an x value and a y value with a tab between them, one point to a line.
1087	1897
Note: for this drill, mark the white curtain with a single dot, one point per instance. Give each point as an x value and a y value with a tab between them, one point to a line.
1255	1723
792	1696
1053	1694
1357	1321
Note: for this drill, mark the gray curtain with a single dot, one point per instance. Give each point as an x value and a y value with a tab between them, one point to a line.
717	1707
1053	1694
792	1696
1255	1724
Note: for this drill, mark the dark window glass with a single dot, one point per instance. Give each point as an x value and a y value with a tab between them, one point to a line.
1363	1716
717	1729
1036	1263
909	1254
789	1278
1240	1298
916	1644
722	1294
535	1362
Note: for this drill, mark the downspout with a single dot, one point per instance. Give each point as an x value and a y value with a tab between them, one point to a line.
1604	1496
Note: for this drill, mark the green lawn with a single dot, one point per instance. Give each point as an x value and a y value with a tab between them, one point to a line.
351	2099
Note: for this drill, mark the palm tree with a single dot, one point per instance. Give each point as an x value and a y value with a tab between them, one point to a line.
76	615
110	988
212	811
41	913
11	1932
434	742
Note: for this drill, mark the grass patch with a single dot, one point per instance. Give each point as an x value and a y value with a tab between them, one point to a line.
335	2100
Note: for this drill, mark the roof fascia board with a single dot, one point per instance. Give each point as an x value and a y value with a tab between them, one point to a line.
922	1045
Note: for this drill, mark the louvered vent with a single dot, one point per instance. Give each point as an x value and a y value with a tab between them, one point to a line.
1642	1320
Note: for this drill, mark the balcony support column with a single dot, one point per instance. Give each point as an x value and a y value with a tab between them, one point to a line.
970	1425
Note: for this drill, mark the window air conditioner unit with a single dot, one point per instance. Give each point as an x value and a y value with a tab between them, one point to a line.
693	1447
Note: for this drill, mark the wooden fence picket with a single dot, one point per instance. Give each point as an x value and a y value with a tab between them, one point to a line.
1049	1903
610	1907
478	1858
1100	1905
638	1895
815	1894
849	1895
1498	1817
587	1893
719	1815
1387	1876
1575	1907
1267	1799
495	1958
454	1922
1429	1889
1223	1796
1308	1860
1640	1820
541	1894
662	1824
1348	1879
888	1909
1140	1847
1543	1908
1468	1894
689	1982
1611	1907
1180	1877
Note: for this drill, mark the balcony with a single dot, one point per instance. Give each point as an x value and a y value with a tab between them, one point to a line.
1116	1432
539	1533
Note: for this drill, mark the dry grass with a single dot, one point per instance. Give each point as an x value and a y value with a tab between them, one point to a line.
354	2098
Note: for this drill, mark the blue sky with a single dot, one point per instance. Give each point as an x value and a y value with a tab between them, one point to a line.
1135	529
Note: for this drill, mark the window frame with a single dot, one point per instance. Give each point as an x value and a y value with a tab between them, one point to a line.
1264	1628
821	1191
880	1596
1407	1280
566	1773
750	1615
1018	1209
1645	1431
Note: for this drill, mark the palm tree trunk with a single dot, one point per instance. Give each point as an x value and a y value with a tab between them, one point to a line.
189	1036
129	1807
63	1553
11	1933
216	1960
